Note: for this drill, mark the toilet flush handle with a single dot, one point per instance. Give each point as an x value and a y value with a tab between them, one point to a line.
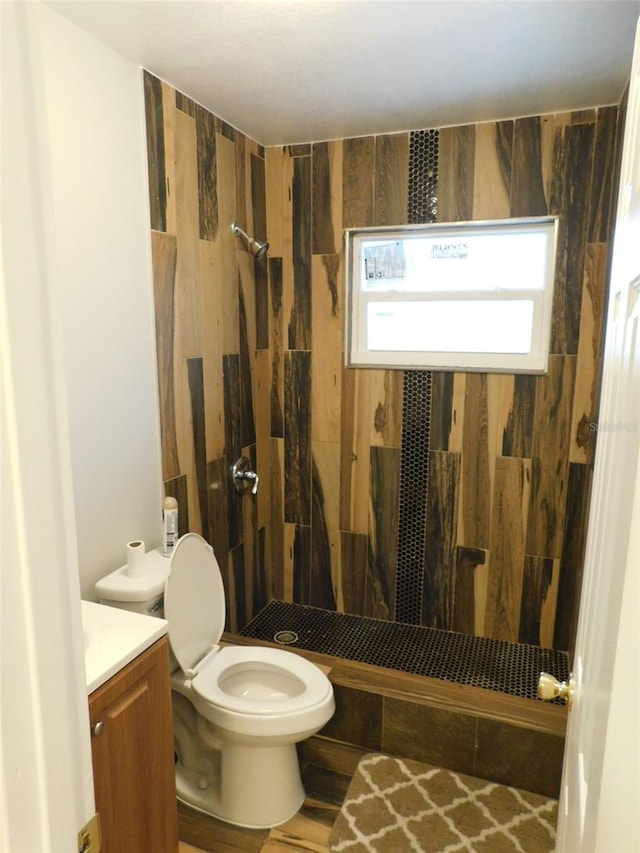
243	476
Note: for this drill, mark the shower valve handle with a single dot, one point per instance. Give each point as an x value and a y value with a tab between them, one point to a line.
251	476
243	476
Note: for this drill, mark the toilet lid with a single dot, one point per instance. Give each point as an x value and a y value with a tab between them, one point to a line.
194	603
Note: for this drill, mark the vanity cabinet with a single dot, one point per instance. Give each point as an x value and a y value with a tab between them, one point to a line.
133	759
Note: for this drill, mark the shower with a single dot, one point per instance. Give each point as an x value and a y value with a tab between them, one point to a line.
258	248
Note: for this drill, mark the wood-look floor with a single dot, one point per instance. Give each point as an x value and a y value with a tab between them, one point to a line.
309	830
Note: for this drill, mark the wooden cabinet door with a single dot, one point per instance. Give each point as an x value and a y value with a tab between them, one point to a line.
133	763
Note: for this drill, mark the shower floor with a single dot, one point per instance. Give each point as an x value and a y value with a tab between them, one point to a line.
511	668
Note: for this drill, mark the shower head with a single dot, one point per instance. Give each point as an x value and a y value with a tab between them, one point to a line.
258	248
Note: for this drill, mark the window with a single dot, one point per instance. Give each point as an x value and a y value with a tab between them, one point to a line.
456	296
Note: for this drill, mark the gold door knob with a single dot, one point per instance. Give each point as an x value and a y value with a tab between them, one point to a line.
550	688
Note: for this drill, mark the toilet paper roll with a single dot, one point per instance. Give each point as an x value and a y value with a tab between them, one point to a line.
135	559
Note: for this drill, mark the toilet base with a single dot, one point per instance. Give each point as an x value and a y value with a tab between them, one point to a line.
254	787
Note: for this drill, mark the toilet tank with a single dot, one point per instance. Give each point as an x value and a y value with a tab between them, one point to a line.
141	594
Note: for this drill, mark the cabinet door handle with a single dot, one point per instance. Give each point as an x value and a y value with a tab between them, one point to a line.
97	728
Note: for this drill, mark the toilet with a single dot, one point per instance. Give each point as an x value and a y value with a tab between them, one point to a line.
238	710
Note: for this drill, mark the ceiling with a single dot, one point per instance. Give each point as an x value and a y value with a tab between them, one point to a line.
285	71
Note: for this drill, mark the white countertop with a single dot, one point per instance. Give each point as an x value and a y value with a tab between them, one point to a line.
113	638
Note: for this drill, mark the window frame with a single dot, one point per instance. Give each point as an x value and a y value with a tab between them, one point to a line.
358	297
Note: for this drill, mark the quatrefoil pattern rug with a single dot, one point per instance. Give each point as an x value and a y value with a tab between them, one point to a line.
397	806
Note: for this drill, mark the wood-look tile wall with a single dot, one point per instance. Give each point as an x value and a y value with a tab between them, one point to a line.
211	317
250	360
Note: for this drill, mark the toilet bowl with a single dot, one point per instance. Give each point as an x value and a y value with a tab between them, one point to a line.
238	710
252	706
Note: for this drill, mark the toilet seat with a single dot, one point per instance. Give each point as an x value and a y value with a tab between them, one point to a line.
194	601
311	685
194	606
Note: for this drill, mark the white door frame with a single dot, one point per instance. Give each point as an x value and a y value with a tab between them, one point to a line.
46	785
600	790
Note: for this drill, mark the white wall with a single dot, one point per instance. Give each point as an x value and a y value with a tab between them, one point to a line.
95	116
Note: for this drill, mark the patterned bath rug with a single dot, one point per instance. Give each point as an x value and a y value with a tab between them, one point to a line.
396	806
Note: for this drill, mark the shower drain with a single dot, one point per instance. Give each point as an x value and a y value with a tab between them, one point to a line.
285	638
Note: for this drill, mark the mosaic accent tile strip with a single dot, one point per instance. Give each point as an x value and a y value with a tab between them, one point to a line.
423	175
497	665
416	406
414	478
